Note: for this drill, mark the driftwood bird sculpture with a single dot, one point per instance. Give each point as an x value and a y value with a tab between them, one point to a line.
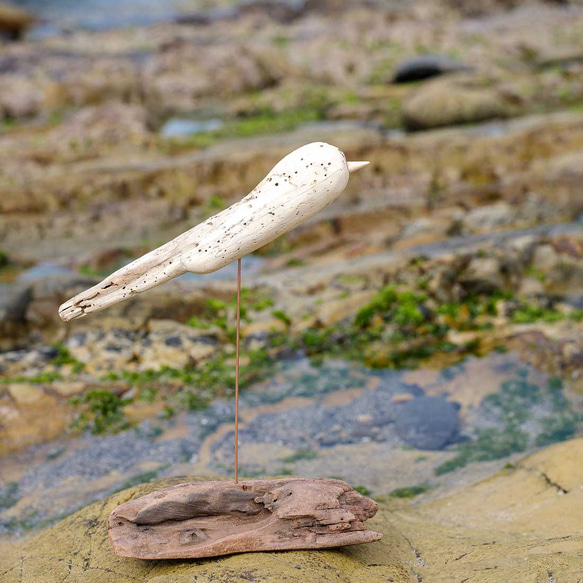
212	518
298	187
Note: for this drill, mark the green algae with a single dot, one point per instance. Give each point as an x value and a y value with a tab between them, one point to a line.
221	313
304	453
398	328
409	491
43	378
4	260
488	445
260	123
282	317
9	495
141	478
64	357
516	403
198	386
557	429
362	490
102	411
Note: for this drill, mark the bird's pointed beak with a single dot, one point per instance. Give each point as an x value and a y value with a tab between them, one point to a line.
354	166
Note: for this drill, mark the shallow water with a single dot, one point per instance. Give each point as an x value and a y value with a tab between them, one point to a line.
42	271
58	15
177	127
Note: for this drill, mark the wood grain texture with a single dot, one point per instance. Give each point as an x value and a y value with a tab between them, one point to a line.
300	185
207	519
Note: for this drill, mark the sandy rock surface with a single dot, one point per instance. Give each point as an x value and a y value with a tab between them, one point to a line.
503	528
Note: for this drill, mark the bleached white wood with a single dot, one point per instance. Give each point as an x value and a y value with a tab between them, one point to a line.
354	166
299	186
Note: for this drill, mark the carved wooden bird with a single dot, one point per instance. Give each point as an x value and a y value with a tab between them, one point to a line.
299	186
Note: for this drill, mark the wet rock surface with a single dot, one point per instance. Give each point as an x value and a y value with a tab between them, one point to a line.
427	423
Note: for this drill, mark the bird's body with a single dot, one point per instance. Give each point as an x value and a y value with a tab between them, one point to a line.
299	186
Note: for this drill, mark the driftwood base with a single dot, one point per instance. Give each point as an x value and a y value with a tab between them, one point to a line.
207	519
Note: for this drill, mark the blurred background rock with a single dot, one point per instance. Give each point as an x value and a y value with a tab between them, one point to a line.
427	327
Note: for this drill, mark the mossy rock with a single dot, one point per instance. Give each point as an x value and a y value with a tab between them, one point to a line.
523	525
449	102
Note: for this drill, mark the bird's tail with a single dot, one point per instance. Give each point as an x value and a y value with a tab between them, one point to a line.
144	273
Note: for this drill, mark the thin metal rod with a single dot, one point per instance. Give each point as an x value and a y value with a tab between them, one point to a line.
237	372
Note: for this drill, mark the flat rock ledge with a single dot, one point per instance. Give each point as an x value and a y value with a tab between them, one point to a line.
208	519
521	524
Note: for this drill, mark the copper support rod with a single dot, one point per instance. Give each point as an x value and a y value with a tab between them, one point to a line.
237	371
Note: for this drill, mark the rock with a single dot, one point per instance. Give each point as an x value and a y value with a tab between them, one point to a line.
69	388
27	423
104	125
20	97
567	166
532	517
14	302
424	230
84	534
449	102
531	286
538	499
176	345
262	328
570	246
96	81
206	17
522	246
482	275
109	350
560	58
208	519
177	78
283	12
25	394
105	260
478	8
427	422
489	217
545	258
334	311
13	21
32	307
426	66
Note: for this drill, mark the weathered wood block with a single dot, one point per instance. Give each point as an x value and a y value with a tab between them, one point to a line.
206	519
